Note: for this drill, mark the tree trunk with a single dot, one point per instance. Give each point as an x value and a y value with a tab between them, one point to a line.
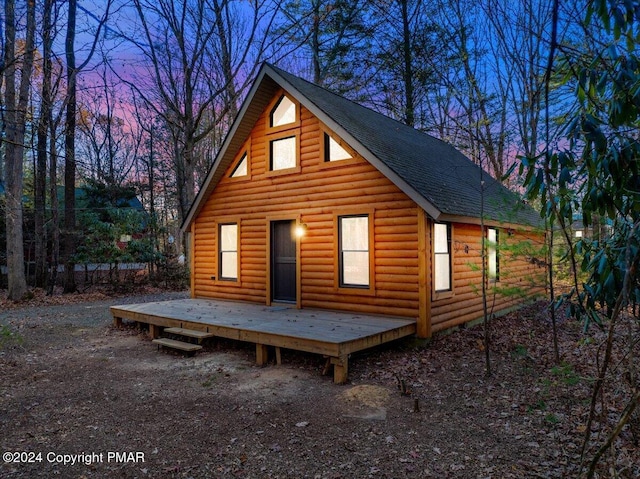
152	202
69	234
41	158
485	309
409	115
55	216
183	159
315	44
226	58
14	148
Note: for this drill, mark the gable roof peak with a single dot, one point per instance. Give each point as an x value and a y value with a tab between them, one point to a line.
434	174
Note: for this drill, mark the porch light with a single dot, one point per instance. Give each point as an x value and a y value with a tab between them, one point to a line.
300	230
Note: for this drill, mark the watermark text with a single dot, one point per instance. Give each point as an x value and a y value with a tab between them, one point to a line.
84	458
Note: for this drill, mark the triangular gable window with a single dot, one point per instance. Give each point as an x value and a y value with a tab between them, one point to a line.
333	151
283	113
241	169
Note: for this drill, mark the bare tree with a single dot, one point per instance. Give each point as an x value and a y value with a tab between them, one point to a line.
2	99
147	170
491	78
14	147
521	46
108	141
478	83
328	38
69	233
404	58
54	132
197	52
44	121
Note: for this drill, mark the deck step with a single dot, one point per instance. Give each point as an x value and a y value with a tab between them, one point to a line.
191	333
181	345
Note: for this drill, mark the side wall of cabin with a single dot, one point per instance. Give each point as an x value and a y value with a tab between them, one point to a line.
519	277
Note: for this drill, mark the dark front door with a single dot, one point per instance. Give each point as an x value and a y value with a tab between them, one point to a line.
283	261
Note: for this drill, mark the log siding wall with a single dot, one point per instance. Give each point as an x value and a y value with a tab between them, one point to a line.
315	193
516	271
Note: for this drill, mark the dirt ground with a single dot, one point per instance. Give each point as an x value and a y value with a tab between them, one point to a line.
80	399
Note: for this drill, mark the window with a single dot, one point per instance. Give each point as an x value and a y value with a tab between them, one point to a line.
353	240
242	168
333	151
283	153
283	130
442	256
228	252
493	267
283	113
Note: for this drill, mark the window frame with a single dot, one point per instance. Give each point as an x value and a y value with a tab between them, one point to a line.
323	154
237	160
442	293
272	107
279	137
275	108
493	250
340	285
276	133
221	252
244	156
326	149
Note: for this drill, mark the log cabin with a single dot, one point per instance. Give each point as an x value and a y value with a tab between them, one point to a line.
315	201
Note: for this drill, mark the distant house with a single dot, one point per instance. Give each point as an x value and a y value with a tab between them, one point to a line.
94	199
318	202
102	201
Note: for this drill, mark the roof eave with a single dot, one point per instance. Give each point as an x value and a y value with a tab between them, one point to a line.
473	220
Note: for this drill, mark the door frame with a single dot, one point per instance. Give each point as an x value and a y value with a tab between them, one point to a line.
295	217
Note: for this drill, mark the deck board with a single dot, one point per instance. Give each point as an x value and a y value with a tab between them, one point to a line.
335	334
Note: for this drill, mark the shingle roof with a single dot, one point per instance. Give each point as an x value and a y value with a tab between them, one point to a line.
443	181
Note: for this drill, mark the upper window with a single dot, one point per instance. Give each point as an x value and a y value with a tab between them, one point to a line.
283	113
442	256
283	153
333	151
353	240
242	168
228	252
493	261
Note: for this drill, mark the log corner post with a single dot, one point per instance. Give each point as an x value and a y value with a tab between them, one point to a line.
423	329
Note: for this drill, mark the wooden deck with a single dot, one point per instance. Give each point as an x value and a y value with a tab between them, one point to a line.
333	334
